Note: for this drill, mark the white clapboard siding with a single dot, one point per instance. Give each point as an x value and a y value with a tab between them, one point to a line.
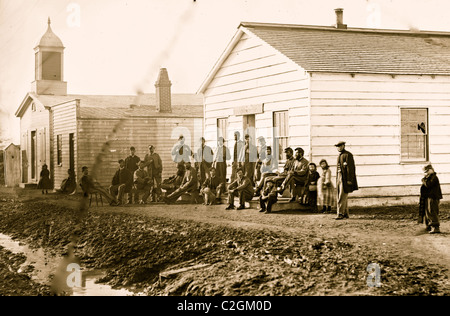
254	73
64	123
364	111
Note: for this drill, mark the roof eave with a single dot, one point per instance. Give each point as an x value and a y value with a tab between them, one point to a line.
234	40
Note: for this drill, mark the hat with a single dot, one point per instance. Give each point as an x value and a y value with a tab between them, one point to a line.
340	143
427	167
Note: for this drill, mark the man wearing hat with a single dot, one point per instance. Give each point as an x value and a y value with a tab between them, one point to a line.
154	169
238	143
345	179
121	182
268	197
432	193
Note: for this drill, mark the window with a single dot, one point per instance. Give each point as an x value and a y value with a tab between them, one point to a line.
414	134
59	149
281	132
222	124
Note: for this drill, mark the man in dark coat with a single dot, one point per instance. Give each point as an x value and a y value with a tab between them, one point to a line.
221	156
153	163
345	179
121	182
261	157
131	163
204	160
238	143
433	194
212	188
248	157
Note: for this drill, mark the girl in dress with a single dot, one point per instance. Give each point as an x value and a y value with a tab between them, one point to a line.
325	188
44	181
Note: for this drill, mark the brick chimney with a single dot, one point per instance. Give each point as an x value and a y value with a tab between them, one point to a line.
340	19
163	94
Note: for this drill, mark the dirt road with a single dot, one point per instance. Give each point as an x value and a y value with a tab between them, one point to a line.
199	250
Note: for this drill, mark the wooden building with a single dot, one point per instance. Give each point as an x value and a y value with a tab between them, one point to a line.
11	163
312	86
67	131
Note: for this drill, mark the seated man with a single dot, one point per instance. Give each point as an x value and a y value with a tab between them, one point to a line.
268	168
68	185
241	187
298	175
89	186
288	166
121	182
268	197
212	188
174	182
142	183
189	184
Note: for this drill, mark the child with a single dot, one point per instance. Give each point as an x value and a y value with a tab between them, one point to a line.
44	181
311	186
325	189
433	194
268	196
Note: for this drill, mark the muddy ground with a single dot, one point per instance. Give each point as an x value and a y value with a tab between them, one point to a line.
199	250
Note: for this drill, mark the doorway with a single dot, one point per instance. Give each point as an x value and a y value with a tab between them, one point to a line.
33	155
249	127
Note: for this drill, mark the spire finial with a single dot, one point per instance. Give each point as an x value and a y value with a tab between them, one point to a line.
49	22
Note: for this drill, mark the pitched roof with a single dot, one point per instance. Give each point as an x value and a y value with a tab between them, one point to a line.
140	111
353	50
183	104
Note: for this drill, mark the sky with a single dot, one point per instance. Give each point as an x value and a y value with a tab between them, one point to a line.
117	46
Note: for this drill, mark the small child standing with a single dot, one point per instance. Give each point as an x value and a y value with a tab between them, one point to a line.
268	197
311	186
433	194
325	188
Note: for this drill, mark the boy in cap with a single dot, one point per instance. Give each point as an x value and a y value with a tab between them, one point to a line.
268	197
433	194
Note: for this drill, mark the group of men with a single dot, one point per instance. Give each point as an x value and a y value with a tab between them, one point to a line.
202	175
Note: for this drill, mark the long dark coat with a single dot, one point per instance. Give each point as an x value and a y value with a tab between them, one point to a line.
347	163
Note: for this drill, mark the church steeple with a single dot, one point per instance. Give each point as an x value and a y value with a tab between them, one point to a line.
49	65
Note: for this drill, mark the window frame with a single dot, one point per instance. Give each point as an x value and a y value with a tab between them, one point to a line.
280	157
59	149
403	159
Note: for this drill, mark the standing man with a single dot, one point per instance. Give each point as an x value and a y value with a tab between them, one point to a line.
248	158
181	151
204	159
221	156
131	163
241	187
345	179
121	182
261	156
236	151
154	169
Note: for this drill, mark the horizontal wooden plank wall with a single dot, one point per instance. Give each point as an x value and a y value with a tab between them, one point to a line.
364	111
255	73
161	132
64	123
